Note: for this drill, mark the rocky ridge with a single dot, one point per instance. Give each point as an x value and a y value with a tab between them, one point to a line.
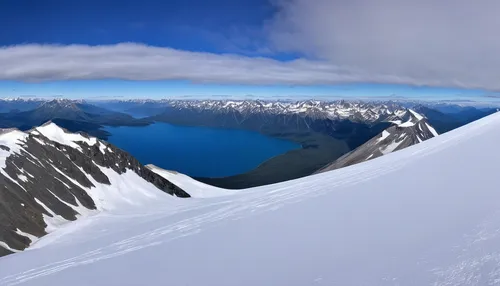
49	176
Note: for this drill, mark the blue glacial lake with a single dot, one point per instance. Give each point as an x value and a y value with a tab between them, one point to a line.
198	151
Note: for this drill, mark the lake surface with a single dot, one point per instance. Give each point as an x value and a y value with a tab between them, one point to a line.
198	151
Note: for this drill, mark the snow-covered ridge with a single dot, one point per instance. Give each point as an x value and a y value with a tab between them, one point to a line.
50	177
57	134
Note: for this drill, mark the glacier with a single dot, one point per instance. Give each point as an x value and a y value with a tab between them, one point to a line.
425	215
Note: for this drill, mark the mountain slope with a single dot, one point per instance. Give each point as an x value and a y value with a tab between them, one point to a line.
49	177
413	130
362	225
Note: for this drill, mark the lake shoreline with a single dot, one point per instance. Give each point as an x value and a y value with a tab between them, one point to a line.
198	150
317	151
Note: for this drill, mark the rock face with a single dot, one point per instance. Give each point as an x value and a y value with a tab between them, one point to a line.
48	175
408	129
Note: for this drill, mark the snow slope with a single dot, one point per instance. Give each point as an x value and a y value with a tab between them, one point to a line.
196	189
426	215
57	134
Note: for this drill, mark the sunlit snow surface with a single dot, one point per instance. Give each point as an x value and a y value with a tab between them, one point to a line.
55	133
426	215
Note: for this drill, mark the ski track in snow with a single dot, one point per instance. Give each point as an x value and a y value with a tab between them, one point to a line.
197	215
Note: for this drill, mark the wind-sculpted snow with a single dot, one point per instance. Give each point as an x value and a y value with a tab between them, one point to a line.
426	215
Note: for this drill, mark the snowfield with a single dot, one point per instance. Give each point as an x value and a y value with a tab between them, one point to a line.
426	215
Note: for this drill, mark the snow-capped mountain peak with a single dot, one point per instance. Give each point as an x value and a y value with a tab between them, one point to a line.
411	128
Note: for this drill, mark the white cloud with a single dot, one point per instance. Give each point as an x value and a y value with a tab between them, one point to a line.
429	42
139	62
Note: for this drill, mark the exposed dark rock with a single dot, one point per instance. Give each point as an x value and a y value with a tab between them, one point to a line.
414	130
45	172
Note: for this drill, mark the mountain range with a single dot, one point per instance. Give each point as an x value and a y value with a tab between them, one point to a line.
354	121
326	130
355	110
444	116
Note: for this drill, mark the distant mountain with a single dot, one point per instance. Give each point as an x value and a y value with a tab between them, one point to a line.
135	107
412	128
78	111
448	120
49	176
19	104
444	115
72	115
358	111
353	122
355	111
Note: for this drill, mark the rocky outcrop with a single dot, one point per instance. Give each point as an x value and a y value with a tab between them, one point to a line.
408	129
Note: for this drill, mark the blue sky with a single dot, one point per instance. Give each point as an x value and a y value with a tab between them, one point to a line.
119	89
194	25
186	48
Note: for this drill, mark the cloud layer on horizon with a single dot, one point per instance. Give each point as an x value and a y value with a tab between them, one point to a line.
449	43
